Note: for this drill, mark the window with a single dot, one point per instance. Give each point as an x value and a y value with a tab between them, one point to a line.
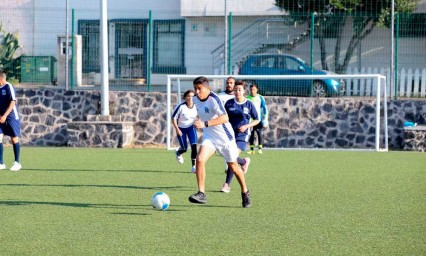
89	31
169	54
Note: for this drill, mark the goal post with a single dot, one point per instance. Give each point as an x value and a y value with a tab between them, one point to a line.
378	83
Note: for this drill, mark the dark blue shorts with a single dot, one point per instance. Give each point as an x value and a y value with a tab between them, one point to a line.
241	144
11	127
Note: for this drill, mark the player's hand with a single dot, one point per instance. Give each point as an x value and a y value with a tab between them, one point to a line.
179	132
242	128
2	119
198	124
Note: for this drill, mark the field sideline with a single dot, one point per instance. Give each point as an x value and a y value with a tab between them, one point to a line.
71	201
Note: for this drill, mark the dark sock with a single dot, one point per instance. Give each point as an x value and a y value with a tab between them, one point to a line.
229	176
181	151
241	161
193	153
17	151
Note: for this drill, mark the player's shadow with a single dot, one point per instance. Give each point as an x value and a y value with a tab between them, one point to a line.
94	170
177	188
63	204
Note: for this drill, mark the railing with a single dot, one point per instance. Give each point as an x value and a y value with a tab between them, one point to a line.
409	83
255	38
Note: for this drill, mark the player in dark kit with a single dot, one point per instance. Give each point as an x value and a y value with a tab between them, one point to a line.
242	116
10	124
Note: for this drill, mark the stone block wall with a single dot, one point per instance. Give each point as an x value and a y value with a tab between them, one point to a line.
294	122
415	138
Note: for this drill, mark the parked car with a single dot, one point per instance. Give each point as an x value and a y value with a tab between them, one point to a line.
285	64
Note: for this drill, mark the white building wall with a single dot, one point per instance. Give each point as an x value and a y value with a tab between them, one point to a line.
39	22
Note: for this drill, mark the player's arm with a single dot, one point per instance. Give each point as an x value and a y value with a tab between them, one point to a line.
263	107
175	115
216	121
8	110
175	124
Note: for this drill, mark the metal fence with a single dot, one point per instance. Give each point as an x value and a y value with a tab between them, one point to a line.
145	46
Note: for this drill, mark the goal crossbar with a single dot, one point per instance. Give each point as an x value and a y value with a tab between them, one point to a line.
380	82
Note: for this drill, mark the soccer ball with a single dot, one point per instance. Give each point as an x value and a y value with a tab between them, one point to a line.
160	201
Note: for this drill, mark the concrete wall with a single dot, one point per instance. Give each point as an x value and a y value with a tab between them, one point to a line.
294	122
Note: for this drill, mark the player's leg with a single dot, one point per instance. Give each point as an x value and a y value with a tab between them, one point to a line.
226	188
17	152
14	132
2	165
259	132
251	141
206	151
193	140
230	153
182	146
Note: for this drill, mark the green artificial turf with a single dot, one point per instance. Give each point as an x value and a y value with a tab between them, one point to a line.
69	201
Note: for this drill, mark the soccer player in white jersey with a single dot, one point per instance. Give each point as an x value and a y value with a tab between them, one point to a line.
10	124
260	104
218	135
243	116
183	118
229	90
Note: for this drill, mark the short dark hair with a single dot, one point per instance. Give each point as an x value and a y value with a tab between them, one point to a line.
3	73
201	80
231	77
187	92
241	82
254	85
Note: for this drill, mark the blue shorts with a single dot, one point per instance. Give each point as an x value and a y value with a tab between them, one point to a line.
189	133
11	127
242	144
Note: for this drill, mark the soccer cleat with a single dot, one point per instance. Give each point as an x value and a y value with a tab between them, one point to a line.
193	169
16	167
179	158
245	166
226	188
2	167
246	199
198	198
251	152
260	151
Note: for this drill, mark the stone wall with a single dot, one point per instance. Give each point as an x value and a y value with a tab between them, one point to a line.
294	122
415	138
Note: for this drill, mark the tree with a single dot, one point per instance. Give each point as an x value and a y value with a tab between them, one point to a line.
8	46
367	14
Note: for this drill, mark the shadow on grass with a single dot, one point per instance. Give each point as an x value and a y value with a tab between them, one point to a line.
81	205
94	170
99	186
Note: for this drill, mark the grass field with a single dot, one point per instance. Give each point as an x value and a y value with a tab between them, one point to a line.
69	201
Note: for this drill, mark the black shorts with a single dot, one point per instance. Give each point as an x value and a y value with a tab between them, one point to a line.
258	126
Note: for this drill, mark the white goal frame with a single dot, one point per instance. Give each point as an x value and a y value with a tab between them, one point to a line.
378	80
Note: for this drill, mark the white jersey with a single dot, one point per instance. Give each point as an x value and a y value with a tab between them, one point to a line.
209	109
224	97
184	115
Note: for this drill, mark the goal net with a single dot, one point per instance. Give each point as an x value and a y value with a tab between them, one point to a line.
309	111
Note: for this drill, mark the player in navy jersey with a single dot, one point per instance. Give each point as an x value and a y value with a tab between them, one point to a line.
10	124
183	118
218	135
242	116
